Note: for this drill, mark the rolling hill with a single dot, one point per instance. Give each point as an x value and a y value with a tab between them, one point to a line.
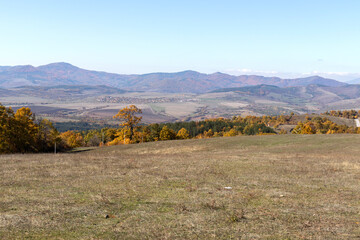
260	187
181	82
324	97
60	92
312	91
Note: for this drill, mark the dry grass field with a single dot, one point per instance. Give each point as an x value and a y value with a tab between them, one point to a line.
261	187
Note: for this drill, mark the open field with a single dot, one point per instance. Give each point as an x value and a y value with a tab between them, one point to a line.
261	187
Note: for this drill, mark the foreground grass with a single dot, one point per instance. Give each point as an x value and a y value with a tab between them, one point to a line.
282	187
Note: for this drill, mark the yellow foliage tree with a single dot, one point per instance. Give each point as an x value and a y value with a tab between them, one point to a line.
122	137
7	128
20	132
72	139
209	134
231	133
308	128
183	134
26	130
129	119
167	134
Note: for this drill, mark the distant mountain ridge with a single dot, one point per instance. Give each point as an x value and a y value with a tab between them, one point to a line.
322	96
180	82
354	81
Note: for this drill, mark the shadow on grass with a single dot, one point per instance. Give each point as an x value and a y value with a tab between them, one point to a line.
80	150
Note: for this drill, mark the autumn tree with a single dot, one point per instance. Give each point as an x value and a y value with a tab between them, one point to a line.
209	133
321	126
27	129
167	134
183	134
7	130
72	139
18	131
129	119
21	132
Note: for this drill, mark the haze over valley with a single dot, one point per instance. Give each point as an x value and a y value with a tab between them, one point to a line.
63	92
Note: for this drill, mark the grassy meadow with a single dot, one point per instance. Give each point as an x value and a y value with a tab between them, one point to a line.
246	187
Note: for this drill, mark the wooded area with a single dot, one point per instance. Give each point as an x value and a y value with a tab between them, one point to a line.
22	132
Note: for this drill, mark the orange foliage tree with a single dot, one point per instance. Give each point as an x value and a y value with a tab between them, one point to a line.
183	134
129	119
72	139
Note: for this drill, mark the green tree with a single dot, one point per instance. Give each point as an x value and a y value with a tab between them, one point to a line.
47	136
93	138
146	134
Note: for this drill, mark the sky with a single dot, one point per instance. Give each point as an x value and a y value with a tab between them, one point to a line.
278	37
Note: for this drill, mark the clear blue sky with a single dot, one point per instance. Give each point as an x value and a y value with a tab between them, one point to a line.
203	35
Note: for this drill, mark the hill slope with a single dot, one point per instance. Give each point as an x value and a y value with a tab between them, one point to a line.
311	93
263	187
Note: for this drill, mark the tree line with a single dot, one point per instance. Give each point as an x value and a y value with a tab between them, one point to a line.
322	125
22	132
350	114
131	131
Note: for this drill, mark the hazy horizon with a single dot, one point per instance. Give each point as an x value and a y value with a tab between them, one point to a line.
239	72
281	38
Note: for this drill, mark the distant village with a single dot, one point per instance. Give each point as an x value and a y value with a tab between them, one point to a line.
134	100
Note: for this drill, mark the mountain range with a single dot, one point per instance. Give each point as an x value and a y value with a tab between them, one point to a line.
181	82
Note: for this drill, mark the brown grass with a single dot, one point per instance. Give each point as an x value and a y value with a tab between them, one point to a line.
282	187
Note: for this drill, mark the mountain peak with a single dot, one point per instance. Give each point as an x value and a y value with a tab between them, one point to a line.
58	66
220	74
62	64
189	72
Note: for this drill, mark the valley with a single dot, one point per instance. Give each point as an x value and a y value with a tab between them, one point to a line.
100	103
62	92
